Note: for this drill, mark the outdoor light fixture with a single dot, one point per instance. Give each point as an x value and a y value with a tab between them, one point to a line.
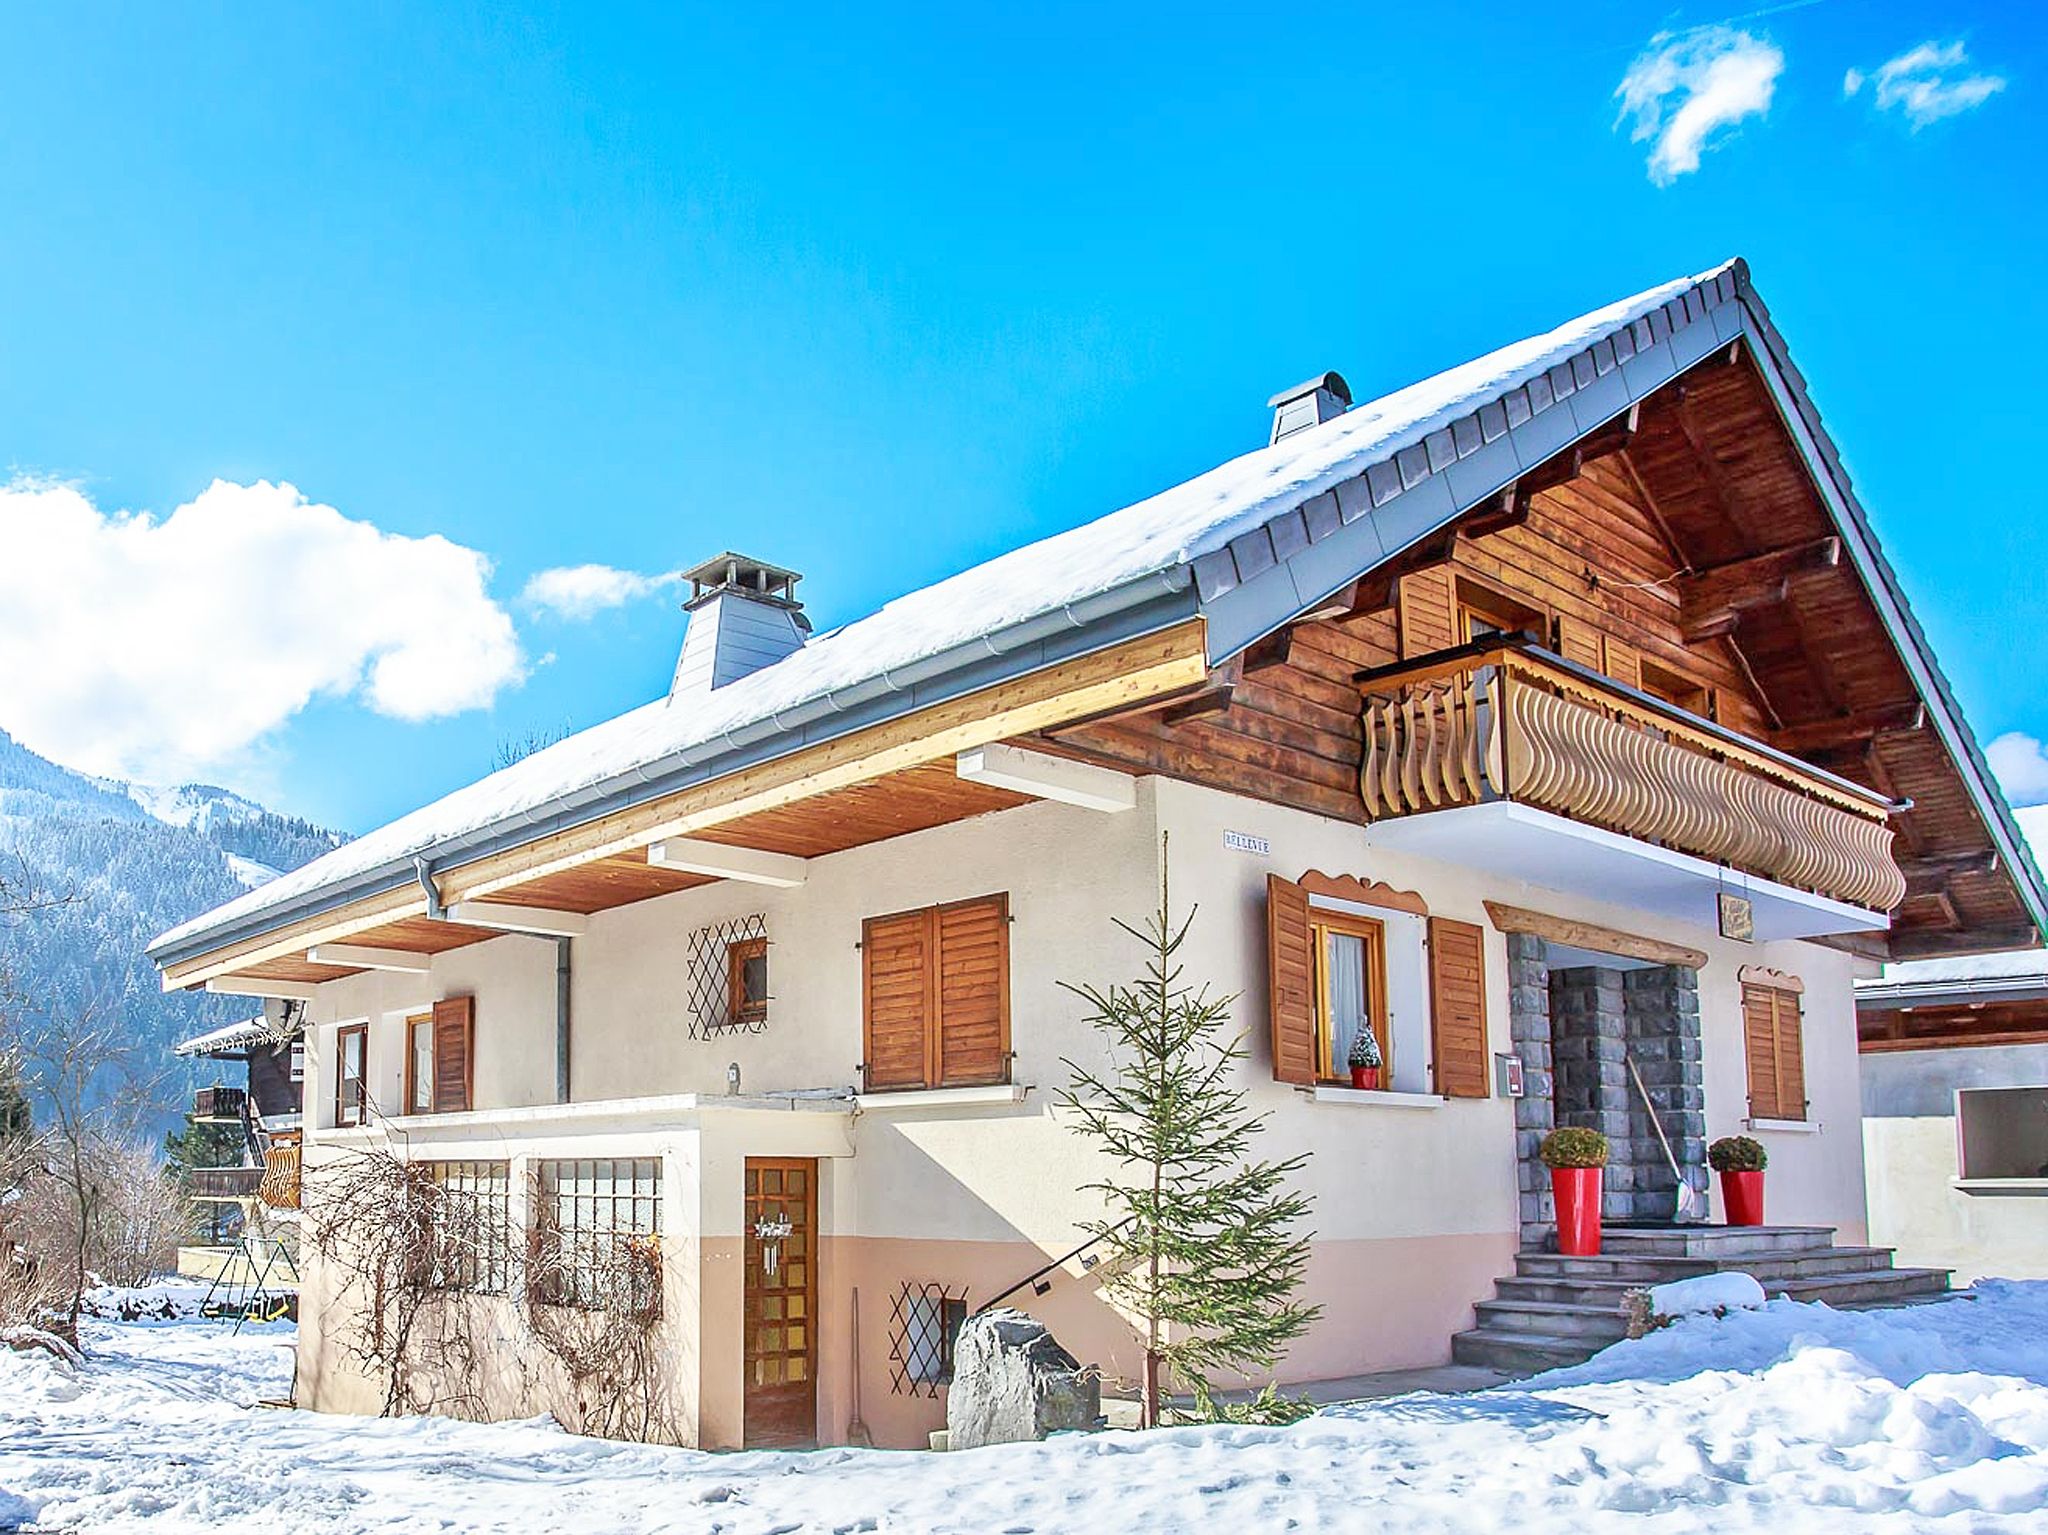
771	1231
732	1079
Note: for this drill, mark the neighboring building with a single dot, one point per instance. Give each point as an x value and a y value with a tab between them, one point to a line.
265	1107
1557	709
1955	1112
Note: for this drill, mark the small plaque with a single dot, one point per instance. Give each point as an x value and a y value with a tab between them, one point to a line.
1738	917
1244	842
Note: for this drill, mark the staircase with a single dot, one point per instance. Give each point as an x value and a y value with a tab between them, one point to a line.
1559	1311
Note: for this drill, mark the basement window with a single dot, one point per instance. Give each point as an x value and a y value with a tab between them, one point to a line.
2002	1132
924	1321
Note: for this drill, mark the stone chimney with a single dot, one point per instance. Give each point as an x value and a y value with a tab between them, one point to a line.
1308	404
744	615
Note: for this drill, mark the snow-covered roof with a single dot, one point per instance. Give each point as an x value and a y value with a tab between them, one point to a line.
232	1036
1248	545
2009	975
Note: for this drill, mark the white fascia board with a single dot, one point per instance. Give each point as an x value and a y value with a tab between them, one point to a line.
290	991
362	957
746	864
1048	777
508	918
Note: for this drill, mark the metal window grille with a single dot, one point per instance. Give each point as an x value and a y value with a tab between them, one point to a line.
472	1217
597	1233
924	1319
712	1007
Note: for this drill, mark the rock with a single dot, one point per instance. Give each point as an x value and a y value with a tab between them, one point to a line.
1012	1381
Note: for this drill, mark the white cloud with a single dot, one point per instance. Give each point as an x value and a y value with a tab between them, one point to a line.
2020	764
1927	83
169	648
577	592
1684	87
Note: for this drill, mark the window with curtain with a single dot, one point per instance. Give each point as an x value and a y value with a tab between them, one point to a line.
1351	987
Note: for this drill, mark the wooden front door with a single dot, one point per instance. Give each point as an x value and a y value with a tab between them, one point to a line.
781	1304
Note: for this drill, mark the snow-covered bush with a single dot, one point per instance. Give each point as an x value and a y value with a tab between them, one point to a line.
1365	1050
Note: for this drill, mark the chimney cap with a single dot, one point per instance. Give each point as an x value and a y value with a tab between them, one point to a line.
745	575
1334	382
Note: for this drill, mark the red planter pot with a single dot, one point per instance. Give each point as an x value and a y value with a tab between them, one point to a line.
1365	1076
1577	1193
1742	1194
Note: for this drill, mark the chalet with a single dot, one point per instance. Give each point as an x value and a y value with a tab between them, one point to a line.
1553	717
264	1110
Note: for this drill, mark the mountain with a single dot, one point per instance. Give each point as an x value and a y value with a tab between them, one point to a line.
131	860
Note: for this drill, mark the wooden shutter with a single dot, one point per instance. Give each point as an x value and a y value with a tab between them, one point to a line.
1290	981
1624	665
1578	642
897	978
454	1037
1457	1008
973	1044
1429	612
1774	1051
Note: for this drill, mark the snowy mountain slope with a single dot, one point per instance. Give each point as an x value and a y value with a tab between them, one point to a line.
133	859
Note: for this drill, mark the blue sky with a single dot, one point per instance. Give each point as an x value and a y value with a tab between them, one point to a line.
878	297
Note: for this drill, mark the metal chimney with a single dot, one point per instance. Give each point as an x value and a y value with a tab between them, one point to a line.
1308	404
744	615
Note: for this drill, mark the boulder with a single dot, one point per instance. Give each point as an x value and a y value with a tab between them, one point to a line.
1012	1381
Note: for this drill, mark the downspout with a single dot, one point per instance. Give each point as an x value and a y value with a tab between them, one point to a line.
562	977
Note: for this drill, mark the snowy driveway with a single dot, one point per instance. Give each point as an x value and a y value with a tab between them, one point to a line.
1794	1419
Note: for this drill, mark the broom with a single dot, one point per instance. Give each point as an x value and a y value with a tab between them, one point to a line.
857	1431
1689	1206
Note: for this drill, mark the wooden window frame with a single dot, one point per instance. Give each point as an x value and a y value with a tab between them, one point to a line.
934	1074
413	1025
1373	932
1781	1001
741	1010
1671	686
348	1115
1501	610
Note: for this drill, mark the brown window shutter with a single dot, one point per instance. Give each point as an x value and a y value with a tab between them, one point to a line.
1429	612
974	992
1457	1008
1290	981
1760	1050
1578	642
1791	1058
898	982
454	1042
1624	665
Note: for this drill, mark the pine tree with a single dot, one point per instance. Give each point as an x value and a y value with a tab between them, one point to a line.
1201	1239
17	1120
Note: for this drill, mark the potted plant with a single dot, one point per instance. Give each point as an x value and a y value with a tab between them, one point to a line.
1575	1156
1740	1161
1365	1060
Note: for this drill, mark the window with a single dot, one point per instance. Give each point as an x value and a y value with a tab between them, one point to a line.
746	981
351	1097
1340	952
472	1226
1774	1053
1679	691
936	996
596	1239
2002	1132
1351	991
437	1057
924	1323
1482	611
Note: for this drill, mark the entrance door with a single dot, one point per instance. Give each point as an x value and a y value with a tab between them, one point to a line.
781	1302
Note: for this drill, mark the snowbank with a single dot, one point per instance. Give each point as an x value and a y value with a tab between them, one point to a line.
1706	1295
1793	1417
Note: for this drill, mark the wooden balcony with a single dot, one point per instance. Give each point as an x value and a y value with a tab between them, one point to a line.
225	1184
280	1186
1503	721
219	1104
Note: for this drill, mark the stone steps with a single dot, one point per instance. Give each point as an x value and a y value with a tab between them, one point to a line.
1557	1310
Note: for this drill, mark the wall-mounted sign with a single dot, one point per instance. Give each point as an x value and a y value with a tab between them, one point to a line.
1508	1080
1244	842
1738	917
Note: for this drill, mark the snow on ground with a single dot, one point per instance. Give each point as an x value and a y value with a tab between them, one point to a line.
1792	1418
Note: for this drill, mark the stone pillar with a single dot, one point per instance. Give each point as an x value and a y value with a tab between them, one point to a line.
1529	1030
1663	1033
1588	1036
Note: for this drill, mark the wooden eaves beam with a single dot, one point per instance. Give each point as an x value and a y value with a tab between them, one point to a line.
1850	729
1713	600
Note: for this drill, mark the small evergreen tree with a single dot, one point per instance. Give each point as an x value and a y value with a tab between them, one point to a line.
17	1120
1201	1239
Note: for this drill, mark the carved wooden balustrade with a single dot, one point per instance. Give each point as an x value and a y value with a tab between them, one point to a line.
1504	720
280	1185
